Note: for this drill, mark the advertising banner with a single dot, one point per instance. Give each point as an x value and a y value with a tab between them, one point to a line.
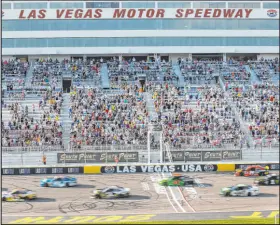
204	156
97	157
110	13
159	168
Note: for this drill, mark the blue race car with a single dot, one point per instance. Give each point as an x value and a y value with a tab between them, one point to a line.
59	182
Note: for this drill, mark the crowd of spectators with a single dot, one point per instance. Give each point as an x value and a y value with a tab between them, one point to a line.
265	69
23	130
259	109
13	78
190	118
100	119
199	119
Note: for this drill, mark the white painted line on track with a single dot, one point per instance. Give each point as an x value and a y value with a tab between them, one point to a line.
174	197
169	198
184	199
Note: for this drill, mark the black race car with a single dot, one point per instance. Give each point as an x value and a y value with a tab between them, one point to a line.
271	179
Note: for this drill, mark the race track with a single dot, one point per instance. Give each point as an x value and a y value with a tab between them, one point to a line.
147	197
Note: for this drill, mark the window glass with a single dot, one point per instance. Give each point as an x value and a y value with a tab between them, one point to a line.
102	4
6	5
209	5
31	5
271	5
138	4
174	4
253	5
147	41
141	24
66	5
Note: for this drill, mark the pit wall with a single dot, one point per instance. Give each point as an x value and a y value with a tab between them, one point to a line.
139	168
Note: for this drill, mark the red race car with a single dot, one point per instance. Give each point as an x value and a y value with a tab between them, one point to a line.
252	171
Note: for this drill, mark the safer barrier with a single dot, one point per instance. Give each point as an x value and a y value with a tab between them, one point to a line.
42	170
144	168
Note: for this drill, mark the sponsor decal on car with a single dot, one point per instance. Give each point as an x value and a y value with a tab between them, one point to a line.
272	13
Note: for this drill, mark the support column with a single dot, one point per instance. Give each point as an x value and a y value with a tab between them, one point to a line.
120	58
224	57
84	58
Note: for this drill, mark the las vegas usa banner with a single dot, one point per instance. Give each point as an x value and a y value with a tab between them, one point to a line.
175	13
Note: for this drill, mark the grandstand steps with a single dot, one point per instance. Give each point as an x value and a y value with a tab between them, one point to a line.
105	76
254	78
238	118
66	121
150	106
29	75
177	71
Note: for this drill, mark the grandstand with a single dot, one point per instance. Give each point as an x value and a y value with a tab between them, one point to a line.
182	76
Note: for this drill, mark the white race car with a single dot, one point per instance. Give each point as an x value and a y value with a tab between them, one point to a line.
240	190
111	192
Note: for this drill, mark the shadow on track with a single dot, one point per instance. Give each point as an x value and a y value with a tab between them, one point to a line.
42	200
130	198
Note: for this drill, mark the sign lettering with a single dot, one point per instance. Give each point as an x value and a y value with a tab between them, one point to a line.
110	13
97	157
159	168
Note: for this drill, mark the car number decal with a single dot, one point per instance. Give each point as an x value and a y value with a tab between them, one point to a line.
176	182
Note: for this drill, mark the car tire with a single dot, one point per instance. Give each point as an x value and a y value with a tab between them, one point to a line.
261	174
241	174
4	199
67	185
46	185
97	196
249	194
227	194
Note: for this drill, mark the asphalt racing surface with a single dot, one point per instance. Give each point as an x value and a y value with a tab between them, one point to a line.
74	205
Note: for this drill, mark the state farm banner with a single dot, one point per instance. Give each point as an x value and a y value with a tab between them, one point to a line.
174	13
204	156
97	157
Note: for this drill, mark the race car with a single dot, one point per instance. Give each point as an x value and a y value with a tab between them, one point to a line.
59	182
177	180
240	190
18	194
271	179
111	192
252	171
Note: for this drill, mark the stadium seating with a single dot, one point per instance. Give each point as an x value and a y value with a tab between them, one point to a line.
199	104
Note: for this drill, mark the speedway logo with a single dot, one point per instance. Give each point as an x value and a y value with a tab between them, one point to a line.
158	168
272	13
109	169
209	168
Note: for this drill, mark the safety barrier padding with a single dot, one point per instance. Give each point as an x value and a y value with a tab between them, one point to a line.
226	167
92	169
43	170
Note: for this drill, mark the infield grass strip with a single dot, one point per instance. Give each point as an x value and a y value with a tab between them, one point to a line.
229	221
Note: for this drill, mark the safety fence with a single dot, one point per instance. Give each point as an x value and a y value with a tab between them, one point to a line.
139	168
